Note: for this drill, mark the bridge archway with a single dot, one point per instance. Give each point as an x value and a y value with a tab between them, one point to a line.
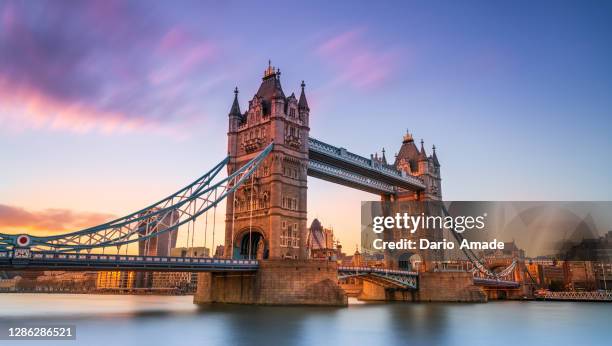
251	244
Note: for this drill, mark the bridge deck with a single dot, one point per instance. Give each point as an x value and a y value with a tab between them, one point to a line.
74	261
496	283
397	278
343	167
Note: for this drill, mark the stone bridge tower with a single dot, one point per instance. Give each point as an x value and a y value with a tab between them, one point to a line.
414	161
266	218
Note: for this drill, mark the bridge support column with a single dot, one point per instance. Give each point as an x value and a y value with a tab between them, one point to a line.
277	282
449	287
372	291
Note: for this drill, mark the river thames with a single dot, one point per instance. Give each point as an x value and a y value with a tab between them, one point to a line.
169	320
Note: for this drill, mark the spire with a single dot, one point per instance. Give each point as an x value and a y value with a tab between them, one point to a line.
235	106
435	157
269	71
384	159
278	90
422	155
407	137
302	103
408	153
270	88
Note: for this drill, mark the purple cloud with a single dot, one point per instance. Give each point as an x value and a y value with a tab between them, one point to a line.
106	66
357	61
15	219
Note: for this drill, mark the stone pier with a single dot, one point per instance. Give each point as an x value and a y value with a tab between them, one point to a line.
449	287
433	287
277	282
372	291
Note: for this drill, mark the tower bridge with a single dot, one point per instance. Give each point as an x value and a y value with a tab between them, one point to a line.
270	155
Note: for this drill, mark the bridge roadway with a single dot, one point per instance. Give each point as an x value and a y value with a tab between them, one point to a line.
494	283
399	278
80	261
42	260
340	166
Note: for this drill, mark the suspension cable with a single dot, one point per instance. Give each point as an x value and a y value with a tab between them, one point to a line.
214	220
233	221
125	230
194	225
170	234
251	214
187	242
206	231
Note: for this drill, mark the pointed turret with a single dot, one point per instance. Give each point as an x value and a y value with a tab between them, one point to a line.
270	88
278	90
408	152
235	106
384	159
435	157
302	103
422	155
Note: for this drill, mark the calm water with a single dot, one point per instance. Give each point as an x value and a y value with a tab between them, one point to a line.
159	320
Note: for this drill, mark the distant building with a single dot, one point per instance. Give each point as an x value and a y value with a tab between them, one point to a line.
510	250
182	281
29	274
580	275
551	275
190	252
159	245
357	260
9	285
115	280
533	273
67	281
603	275
599	249
219	251
320	242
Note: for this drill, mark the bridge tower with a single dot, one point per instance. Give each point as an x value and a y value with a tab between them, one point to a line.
414	161
266	217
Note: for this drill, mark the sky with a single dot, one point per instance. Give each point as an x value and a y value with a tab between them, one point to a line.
106	106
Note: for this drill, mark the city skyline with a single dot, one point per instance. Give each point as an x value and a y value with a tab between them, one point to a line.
87	104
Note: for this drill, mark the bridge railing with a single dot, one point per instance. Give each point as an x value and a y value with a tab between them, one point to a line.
76	257
577	296
377	270
347	156
496	282
356	178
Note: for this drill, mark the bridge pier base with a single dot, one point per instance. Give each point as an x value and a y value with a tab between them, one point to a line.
277	282
449	287
505	294
372	291
433	287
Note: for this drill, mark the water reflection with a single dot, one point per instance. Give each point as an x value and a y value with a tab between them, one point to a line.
138	320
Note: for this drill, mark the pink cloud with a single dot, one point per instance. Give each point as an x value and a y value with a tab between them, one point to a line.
16	220
180	54
126	73
357	61
26	108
